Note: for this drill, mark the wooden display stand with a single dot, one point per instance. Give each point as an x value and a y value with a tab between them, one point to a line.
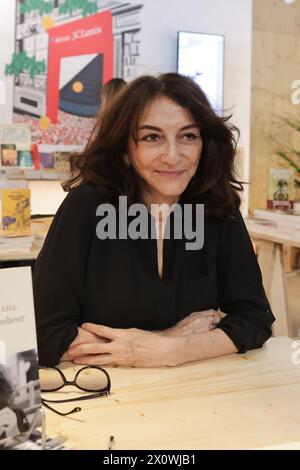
291	258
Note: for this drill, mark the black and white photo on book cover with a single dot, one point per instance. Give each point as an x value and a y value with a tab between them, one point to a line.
20	400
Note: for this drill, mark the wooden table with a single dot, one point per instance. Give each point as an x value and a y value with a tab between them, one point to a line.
235	402
270	241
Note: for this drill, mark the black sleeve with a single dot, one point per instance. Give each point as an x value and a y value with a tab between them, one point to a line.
241	293
58	279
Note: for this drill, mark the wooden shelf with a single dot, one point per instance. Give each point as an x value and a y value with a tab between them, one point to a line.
18	173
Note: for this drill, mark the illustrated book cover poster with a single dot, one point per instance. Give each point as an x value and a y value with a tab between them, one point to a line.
65	51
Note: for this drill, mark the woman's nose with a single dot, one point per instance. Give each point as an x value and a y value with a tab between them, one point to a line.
171	153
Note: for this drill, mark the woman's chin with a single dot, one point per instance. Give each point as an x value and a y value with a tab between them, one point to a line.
173	191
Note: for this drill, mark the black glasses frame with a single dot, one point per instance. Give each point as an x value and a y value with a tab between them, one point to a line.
102	392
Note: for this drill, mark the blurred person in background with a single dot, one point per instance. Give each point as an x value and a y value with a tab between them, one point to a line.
109	90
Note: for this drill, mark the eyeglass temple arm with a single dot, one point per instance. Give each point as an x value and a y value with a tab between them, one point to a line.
75	410
86	397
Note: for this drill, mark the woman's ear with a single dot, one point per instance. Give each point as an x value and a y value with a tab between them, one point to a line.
126	159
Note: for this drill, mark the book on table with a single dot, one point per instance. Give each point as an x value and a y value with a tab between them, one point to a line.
20	397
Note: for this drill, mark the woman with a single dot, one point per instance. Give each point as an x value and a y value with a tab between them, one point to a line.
140	301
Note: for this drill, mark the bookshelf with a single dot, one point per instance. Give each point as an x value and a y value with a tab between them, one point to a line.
18	173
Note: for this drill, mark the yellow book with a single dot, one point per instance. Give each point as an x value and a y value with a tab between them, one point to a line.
15	210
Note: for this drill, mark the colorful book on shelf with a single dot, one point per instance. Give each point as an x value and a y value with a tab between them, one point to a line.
62	163
25	159
46	160
20	404
9	155
281	189
15	210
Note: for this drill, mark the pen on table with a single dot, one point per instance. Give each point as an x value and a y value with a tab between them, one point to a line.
111	442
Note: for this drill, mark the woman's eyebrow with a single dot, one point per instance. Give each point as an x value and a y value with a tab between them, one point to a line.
152	128
190	126
155	128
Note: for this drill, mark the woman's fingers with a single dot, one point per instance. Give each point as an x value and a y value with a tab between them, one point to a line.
89	348
99	360
101	330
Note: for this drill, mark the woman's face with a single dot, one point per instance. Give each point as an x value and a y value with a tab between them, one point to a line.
167	152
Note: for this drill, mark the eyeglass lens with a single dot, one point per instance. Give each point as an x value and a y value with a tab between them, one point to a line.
88	378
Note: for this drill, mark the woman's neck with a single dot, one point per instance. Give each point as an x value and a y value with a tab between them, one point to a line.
151	199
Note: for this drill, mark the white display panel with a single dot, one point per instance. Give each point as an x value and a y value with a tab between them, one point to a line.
201	57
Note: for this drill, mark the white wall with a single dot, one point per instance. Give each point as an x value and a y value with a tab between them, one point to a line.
7	45
161	21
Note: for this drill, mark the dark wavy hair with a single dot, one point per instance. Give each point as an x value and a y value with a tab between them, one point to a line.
102	163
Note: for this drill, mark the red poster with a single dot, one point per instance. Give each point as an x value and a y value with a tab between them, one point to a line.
84	37
64	54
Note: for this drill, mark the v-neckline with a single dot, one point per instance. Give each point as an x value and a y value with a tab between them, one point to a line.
173	255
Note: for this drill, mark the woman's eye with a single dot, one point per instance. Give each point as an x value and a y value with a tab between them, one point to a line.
151	138
190	136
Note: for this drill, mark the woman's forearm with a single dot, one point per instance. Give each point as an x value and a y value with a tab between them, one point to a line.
197	347
133	347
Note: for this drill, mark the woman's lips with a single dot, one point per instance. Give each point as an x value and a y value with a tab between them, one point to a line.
170	174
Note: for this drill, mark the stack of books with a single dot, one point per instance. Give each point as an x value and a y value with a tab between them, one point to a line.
288	221
15	243
27	240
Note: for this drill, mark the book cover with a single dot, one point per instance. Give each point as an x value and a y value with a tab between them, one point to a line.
25	159
9	155
281	189
46	160
20	399
62	163
15	210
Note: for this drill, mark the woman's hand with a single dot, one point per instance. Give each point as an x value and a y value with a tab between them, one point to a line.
196	322
83	337
126	347
8	423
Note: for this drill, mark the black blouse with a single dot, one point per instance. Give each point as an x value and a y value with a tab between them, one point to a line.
79	278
